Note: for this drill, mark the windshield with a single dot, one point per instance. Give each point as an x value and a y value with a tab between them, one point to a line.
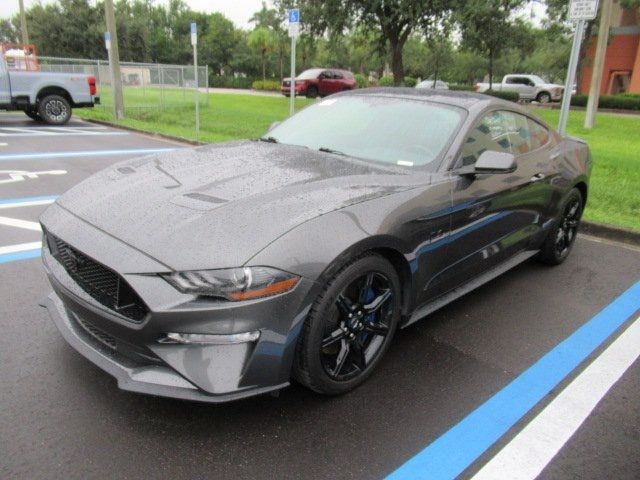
310	74
390	130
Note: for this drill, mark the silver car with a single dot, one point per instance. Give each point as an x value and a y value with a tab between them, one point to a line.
437	85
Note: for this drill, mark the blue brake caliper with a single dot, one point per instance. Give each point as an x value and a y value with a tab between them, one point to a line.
371	318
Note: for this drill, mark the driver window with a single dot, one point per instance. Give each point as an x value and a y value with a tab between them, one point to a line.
490	133
327	75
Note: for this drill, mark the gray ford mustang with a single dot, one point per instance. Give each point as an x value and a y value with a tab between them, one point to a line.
225	271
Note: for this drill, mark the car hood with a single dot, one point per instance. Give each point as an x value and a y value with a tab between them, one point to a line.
218	205
549	85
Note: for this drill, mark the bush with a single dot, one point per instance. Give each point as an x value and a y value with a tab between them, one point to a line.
386	81
410	82
229	81
269	85
616	102
511	96
464	88
361	80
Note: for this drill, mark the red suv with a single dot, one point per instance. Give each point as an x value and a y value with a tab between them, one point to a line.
320	81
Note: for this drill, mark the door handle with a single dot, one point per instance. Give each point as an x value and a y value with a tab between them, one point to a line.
537	177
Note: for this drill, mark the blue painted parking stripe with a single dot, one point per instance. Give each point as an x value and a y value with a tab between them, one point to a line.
454	451
24	255
18	201
84	153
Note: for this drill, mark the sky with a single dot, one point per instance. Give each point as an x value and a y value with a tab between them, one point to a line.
238	11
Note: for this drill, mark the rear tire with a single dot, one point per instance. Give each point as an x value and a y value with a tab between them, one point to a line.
54	110
349	327
561	237
312	92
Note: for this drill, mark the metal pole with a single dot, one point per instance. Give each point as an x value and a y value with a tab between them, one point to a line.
598	65
292	85
571	75
161	79
114	61
23	24
195	67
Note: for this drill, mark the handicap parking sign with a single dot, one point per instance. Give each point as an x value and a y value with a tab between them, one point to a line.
294	15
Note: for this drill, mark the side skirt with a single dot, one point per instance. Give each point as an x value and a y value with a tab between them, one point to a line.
469	286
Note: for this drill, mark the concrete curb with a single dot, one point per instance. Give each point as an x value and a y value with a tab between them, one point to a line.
146	132
619	234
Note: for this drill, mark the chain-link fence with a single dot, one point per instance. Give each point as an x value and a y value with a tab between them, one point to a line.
145	85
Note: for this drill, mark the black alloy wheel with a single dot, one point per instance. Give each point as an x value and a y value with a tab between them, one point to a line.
561	238
349	327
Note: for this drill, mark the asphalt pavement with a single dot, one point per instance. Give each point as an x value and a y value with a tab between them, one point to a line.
61	417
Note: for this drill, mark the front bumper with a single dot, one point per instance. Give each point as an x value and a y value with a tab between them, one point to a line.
131	351
132	376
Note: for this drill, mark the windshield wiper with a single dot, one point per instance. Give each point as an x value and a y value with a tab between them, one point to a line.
331	150
268	139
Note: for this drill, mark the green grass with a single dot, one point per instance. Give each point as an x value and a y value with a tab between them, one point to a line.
614	191
224	117
614	195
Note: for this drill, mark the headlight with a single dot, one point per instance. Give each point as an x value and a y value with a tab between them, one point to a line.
234	283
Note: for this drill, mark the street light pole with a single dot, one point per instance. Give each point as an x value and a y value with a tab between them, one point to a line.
114	60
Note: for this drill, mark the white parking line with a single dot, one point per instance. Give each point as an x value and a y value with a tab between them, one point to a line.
16	222
55	131
529	452
21	247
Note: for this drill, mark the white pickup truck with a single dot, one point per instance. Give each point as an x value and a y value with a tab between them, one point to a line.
528	87
45	96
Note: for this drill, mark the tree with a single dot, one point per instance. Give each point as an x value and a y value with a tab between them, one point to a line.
487	28
261	40
391	21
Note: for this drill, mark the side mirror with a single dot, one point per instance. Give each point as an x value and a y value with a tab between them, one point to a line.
491	161
274	125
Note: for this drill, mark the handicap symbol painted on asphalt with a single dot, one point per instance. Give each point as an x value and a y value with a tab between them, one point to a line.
12	176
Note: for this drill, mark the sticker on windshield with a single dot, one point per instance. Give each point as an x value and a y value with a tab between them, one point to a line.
404	163
327	102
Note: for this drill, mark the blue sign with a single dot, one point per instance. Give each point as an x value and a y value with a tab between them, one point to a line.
193	29
107	37
294	15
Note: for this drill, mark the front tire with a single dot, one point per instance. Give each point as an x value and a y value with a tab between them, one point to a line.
312	92
349	327
54	110
561	237
543	97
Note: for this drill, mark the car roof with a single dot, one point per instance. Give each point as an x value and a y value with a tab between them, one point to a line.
462	99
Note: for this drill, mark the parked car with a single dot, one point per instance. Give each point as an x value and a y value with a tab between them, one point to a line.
529	87
225	271
437	85
320	82
46	96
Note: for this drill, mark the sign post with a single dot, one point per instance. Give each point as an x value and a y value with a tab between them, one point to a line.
194	43
294	31
580	11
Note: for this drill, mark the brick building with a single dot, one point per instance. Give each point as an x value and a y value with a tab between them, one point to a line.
621	71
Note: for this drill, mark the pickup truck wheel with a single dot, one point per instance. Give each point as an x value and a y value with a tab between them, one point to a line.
54	110
543	97
32	113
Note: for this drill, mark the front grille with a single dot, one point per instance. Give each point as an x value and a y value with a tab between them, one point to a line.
100	282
